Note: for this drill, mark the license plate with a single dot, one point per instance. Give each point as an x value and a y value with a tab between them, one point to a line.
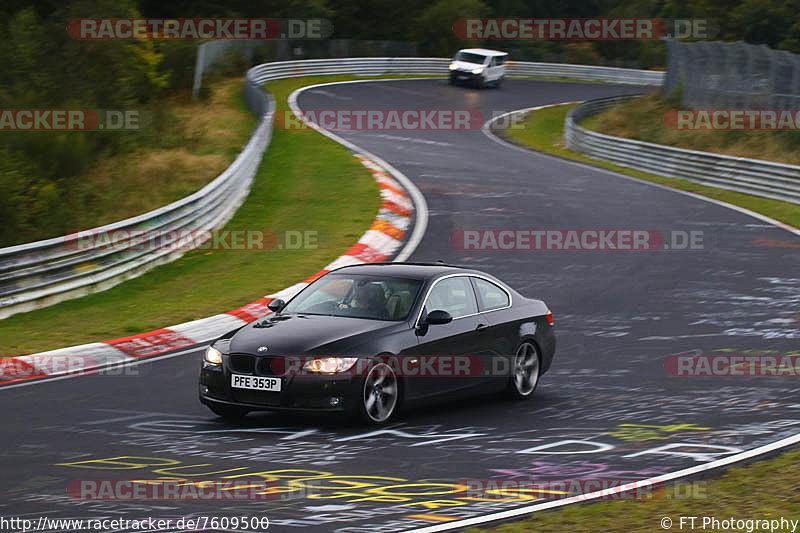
255	383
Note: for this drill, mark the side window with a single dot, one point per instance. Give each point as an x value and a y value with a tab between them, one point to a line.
491	296
453	295
500	60
493	62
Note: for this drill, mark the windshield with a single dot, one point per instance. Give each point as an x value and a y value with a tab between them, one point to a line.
358	296
469	57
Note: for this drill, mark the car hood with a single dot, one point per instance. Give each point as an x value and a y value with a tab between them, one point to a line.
464	65
304	334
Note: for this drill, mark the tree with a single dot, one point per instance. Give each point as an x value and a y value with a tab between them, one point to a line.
434	29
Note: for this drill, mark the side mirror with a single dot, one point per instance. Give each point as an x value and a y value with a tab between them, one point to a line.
276	305
438	317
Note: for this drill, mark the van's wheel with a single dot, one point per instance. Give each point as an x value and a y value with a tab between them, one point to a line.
480	82
499	82
229	412
525	371
380	395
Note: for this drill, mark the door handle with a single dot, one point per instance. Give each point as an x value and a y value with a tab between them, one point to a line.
481	327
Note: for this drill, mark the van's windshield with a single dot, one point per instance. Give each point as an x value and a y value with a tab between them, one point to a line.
469	57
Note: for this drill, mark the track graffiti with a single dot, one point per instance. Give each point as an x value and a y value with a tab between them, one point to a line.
607	410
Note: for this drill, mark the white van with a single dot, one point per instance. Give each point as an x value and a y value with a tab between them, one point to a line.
478	67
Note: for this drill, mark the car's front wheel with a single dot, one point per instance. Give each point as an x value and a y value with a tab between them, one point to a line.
229	412
380	395
525	372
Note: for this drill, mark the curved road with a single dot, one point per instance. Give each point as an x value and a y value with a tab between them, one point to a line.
608	409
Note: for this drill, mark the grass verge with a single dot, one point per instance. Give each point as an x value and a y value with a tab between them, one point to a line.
181	146
306	182
764	490
643	119
542	130
761	491
205	138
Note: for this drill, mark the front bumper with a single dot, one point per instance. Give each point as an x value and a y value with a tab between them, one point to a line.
464	76
328	393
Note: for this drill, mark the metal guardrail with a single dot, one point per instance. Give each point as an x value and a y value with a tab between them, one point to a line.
751	176
377	66
46	272
586	72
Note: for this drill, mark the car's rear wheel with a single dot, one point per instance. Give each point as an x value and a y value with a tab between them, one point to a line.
380	395
525	372
229	412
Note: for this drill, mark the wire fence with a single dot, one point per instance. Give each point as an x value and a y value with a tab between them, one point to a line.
723	75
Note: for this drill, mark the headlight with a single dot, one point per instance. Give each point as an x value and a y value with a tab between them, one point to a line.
453	66
330	365
477	70
213	355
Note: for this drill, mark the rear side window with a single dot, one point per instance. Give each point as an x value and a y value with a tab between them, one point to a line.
453	295
500	60
490	296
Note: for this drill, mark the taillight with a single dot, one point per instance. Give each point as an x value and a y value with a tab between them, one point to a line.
549	316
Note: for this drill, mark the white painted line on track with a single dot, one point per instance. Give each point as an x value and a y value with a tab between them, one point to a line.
116	358
657	480
412	243
486	129
421	212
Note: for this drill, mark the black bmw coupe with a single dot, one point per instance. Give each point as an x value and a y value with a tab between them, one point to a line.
369	339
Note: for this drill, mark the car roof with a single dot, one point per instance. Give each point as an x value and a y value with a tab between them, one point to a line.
405	269
484	51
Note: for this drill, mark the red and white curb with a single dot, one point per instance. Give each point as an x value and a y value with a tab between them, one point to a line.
381	242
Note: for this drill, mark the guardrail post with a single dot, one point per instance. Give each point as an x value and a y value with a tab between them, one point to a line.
198	70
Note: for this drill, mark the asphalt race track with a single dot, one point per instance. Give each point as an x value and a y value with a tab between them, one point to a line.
608	409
